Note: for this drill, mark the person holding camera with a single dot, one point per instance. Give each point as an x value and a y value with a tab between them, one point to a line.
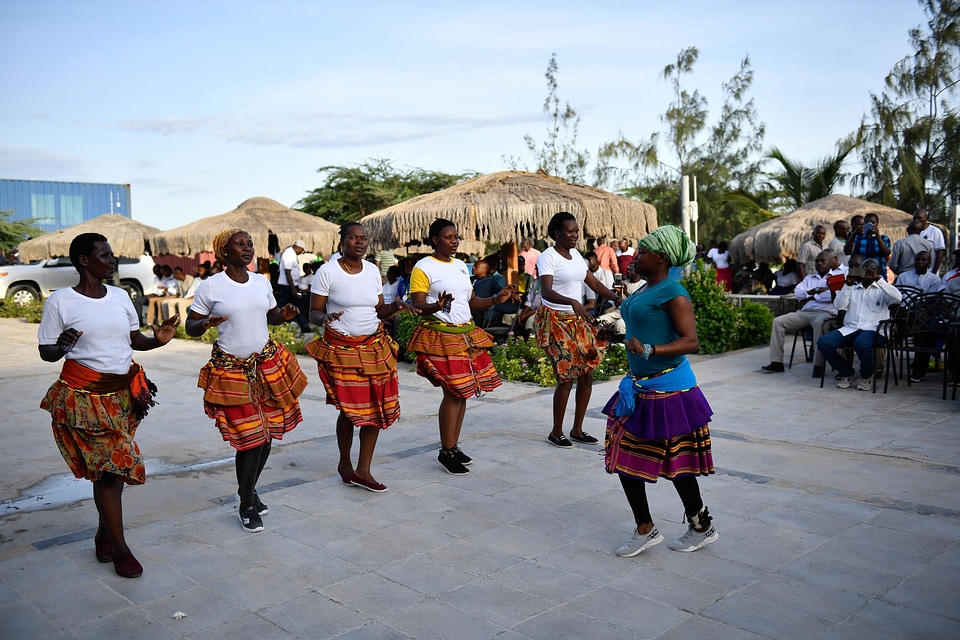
866	300
867	241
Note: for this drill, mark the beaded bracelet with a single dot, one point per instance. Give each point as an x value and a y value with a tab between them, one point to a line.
646	351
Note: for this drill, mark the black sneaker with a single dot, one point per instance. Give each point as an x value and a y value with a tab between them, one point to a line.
461	456
773	367
817	372
448	460
250	520
261	508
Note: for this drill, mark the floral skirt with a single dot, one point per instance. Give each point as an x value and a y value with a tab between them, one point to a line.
458	362
95	431
570	343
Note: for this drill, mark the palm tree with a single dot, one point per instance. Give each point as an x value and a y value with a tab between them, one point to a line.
805	184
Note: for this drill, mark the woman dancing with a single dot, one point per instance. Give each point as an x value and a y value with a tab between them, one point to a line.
101	396
657	421
356	357
252	382
451	349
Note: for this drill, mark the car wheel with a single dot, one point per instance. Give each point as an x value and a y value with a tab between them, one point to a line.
22	294
133	290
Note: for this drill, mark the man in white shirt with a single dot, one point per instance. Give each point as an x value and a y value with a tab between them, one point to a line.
934	235
920	276
815	302
841	230
952	278
289	279
809	250
867	303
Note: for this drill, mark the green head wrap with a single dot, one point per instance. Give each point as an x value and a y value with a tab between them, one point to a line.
671	241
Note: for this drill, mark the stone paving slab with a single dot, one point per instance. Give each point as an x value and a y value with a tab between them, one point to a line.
838	513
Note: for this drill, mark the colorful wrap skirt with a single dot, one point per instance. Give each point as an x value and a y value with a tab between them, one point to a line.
666	435
570	343
360	376
454	357
95	418
253	399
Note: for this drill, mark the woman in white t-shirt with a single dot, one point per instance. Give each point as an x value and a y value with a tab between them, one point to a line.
252	382
720	258
356	357
451	349
565	330
101	395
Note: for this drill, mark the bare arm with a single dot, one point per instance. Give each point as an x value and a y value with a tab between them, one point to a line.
680	310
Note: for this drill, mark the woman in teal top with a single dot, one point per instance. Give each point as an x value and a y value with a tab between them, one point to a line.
657	420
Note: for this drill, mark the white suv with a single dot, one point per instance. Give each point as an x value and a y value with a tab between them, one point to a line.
21	283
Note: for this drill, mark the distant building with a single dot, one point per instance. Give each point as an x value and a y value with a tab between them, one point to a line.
57	205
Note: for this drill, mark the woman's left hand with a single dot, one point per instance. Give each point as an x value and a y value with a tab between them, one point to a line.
164	333
289	312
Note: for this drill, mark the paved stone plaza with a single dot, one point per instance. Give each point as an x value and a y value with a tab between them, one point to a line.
838	513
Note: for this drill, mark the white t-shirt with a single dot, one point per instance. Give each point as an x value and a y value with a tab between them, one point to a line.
244	304
433	277
390	291
568	276
605	276
106	324
356	294
172	285
720	260
288	260
934	235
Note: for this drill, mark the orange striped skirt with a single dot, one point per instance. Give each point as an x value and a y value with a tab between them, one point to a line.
254	399
360	376
458	362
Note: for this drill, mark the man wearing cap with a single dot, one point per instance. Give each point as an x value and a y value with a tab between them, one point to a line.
289	278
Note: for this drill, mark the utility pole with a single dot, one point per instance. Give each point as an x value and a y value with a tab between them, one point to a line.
685	204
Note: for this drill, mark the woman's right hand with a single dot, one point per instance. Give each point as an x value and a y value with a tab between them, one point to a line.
634	346
213	321
331	317
68	339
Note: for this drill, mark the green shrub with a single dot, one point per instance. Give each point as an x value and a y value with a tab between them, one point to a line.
209	337
716	317
520	360
754	322
287	335
30	312
404	324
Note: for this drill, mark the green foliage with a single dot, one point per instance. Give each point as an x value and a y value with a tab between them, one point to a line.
30	311
721	326
909	143
209	337
754	322
349	193
404	326
13	232
801	184
288	335
520	360
558	154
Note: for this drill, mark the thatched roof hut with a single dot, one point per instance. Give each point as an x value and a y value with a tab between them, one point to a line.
128	238
261	218
778	239
506	207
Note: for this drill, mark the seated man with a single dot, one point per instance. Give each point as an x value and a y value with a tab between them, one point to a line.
484	286
815	302
168	286
171	305
867	303
605	276
919	276
951	279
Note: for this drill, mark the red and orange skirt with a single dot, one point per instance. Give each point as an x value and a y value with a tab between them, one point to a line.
253	400
359	374
571	344
454	357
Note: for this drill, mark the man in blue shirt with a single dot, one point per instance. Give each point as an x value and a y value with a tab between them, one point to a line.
867	241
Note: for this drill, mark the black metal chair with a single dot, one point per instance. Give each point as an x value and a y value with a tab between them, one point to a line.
805	334
923	327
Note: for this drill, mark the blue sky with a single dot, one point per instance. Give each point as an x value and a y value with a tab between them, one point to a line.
201	105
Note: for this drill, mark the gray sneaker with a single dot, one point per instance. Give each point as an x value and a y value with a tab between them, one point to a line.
639	542
845	382
693	539
865	384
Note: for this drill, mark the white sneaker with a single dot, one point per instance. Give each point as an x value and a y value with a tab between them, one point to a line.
845	382
693	539
865	384
639	542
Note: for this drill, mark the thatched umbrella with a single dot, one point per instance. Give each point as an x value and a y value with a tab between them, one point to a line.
505	207
261	218
778	239
128	238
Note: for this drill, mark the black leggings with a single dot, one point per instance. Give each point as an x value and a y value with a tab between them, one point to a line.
250	464
636	491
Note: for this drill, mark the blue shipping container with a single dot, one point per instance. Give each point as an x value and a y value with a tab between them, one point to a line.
58	205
